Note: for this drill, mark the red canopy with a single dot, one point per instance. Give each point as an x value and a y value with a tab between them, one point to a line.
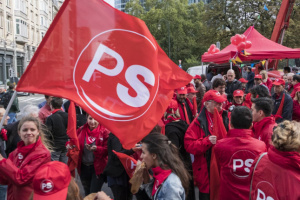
262	49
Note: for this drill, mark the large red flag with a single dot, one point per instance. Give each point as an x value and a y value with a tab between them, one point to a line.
128	163
109	64
219	130
73	153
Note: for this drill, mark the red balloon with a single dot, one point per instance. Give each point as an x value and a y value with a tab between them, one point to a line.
241	46
238	39
248	44
233	40
205	53
217	50
243	38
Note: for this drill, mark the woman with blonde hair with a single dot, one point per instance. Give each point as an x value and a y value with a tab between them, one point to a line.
18	170
265	80
276	174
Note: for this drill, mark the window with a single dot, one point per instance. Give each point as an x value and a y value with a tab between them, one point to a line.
21	5
32	35
8	3
42	20
21	28
8	23
43	6
1	18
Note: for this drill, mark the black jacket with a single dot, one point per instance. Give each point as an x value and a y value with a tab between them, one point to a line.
12	137
114	167
231	87
287	110
250	78
57	125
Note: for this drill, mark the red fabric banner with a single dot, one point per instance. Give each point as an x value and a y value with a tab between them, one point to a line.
108	63
128	163
72	154
219	130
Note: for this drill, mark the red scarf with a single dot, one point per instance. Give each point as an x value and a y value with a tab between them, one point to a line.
91	135
195	107
279	111
186	115
159	175
55	110
23	151
210	121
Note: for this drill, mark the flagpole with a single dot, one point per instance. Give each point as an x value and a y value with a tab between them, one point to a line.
7	109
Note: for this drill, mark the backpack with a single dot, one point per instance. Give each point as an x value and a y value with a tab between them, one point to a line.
5	99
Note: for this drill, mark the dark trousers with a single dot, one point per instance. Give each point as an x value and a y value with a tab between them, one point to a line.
203	196
90	181
121	192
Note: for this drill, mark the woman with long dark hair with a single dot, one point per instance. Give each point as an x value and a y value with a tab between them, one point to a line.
170	177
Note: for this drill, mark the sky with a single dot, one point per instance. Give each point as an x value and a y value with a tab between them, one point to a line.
111	2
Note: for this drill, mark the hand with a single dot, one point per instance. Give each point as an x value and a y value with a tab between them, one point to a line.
1	157
93	148
102	196
212	139
88	147
137	147
69	147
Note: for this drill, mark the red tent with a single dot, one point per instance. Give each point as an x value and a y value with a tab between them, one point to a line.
262	49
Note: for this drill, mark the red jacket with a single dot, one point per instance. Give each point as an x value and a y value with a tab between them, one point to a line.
263	130
196	142
296	111
19	180
277	176
294	91
100	155
235	155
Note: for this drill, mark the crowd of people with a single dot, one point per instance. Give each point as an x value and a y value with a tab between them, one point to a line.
248	127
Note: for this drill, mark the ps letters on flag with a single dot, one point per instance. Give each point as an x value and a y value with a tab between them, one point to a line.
108	63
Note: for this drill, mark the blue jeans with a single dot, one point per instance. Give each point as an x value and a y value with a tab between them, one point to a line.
3	189
12	117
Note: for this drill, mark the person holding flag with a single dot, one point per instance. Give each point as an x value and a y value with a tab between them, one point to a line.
283	103
199	140
92	155
235	154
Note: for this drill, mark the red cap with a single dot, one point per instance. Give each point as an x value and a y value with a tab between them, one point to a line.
238	93
51	181
242	80
182	90
213	95
172	106
197	77
258	76
279	81
191	90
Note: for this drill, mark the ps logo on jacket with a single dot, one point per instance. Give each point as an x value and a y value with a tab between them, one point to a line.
241	162
47	186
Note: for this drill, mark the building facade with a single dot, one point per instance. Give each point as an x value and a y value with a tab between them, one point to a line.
120	4
23	24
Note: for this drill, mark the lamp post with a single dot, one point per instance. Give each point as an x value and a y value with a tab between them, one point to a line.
169	38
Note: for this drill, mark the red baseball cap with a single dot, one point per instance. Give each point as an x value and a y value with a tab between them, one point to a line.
182	90
258	76
197	77
51	181
242	80
238	93
214	95
279	81
191	90
172	106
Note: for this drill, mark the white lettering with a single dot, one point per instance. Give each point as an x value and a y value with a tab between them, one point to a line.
261	196
132	165
94	65
248	164
235	165
142	91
